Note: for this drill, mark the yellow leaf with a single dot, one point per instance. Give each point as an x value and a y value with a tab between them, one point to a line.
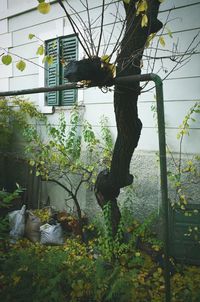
31	36
169	32
149	39
6	60
144	21
162	41
105	58
112	68
142	7
137	254
159	270
16	280
44	8
48	59
156	248
21	65
40	50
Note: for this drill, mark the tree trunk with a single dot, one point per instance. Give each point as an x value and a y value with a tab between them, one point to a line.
129	126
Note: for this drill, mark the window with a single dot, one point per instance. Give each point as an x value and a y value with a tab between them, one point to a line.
61	49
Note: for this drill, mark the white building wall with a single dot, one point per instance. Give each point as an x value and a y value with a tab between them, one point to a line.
181	88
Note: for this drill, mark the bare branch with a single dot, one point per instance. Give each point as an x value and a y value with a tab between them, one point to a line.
185	54
90	29
113	28
101	31
75	27
86	29
61	185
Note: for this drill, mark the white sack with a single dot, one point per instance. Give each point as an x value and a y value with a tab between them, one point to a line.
51	234
17	223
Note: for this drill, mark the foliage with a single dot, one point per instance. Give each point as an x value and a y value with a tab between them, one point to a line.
12	119
43	214
76	272
68	155
185	173
46	273
132	235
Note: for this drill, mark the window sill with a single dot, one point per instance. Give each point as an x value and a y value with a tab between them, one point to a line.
67	108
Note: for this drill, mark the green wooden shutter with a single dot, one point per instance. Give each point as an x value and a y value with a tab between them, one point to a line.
52	73
68	51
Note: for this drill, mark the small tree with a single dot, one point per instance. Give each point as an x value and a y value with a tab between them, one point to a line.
68	156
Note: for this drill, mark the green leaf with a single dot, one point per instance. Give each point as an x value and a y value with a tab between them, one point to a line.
48	59
40	50
44	8
126	1
31	162
41	1
6	60
31	36
21	65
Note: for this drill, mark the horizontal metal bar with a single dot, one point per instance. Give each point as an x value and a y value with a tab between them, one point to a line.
119	80
41	89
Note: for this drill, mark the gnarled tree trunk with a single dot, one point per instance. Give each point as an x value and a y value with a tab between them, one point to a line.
129	126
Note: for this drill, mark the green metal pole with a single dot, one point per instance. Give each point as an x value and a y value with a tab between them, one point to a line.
163	164
163	176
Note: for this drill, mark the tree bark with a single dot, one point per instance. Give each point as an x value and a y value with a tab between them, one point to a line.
129	126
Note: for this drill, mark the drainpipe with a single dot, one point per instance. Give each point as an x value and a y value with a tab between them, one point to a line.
163	163
162	148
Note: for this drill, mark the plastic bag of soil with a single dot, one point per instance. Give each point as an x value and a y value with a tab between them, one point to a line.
17	223
51	234
32	227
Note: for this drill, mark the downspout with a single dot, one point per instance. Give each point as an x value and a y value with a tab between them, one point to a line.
163	163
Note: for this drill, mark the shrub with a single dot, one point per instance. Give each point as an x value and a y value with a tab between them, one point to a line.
78	272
